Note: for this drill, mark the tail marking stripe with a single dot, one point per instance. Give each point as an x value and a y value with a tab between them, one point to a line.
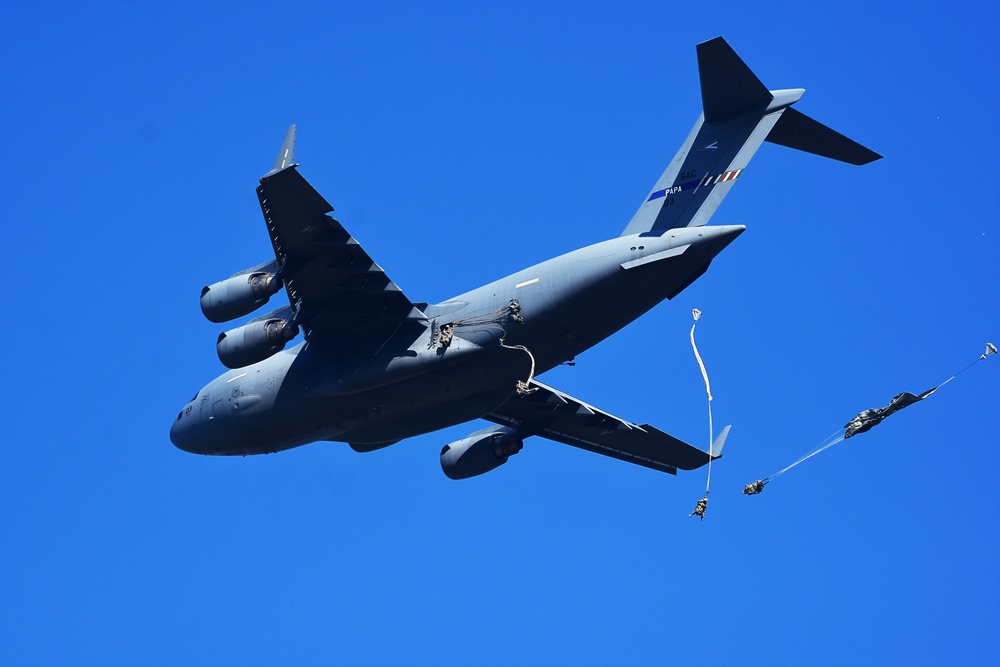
721	178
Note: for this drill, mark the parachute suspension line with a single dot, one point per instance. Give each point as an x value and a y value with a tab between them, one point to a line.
831	440
990	349
708	390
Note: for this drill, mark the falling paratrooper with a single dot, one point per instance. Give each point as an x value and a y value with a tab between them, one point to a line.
700	508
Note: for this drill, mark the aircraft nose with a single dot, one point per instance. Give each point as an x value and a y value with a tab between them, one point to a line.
179	434
175	431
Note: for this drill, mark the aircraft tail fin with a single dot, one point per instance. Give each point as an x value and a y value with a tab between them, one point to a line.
739	113
728	86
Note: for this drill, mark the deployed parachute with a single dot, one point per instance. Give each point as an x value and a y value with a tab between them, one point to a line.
714	445
873	417
865	421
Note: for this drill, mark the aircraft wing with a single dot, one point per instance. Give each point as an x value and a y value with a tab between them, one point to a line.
552	414
339	290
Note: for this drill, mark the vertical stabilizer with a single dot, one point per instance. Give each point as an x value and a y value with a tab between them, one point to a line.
739	113
728	87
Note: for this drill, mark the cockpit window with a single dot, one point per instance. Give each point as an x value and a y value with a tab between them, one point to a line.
193	398
179	415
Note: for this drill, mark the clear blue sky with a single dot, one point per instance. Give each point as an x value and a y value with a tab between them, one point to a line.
459	144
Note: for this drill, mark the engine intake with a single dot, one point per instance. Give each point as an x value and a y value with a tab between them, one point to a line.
480	453
254	342
238	296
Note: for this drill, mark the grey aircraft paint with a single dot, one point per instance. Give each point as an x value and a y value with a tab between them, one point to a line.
375	367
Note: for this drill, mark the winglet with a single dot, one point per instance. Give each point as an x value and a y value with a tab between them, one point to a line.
716	450
286	156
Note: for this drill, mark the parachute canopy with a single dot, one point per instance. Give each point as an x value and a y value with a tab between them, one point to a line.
869	418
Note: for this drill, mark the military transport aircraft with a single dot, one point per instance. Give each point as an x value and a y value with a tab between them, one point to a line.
376	367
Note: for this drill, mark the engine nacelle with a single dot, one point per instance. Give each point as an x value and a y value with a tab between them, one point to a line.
254	342
481	452
240	295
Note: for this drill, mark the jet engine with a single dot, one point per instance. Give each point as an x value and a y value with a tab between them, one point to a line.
480	452
241	294
254	342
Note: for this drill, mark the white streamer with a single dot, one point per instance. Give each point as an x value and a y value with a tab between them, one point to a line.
708	390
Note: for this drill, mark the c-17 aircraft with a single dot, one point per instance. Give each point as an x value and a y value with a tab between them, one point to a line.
376	367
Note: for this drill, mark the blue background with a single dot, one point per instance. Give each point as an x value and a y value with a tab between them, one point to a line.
460	142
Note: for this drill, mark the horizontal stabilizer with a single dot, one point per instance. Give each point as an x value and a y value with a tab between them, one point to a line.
796	130
728	86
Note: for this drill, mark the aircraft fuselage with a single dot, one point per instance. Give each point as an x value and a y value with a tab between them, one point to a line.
415	385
